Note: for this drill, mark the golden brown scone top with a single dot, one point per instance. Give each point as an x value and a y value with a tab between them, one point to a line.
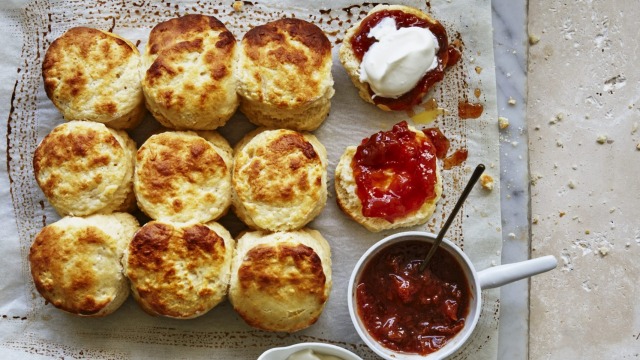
76	266
173	39
80	69
175	269
178	173
281	43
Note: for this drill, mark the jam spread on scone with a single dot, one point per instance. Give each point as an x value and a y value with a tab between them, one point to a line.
395	172
363	40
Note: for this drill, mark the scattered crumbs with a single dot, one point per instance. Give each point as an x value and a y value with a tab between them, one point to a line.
514	52
555	165
494	263
574	167
601	139
559	143
628	244
511	101
534	178
572	185
604	251
237	6
634	128
556	119
492	165
537	127
511	236
612	210
533	39
503	122
561	213
587	232
486	181
535	219
514	143
638	146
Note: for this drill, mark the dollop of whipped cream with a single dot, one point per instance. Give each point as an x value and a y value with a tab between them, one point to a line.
309	354
399	59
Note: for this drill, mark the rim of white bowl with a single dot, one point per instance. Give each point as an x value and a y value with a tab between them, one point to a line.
324	348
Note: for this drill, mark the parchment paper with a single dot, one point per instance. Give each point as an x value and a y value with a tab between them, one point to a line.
29	328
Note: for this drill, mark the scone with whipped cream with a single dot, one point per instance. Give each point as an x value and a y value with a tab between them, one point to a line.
395	55
391	180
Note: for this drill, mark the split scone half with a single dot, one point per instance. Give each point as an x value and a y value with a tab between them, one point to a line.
189	81
284	75
75	263
279	179
281	281
94	75
391	180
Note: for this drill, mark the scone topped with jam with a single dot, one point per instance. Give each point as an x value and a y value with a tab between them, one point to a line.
395	55
390	180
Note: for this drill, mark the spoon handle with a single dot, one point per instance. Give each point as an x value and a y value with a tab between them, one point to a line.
472	181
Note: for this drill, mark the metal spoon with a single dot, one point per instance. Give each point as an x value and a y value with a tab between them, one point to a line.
472	181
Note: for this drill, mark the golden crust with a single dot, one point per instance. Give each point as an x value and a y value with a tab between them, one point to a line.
352	64
281	281
189	81
85	168
279	179
75	263
181	176
93	75
284	72
349	202
178	270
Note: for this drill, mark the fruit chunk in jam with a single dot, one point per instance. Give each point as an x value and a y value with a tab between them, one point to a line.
361	42
395	172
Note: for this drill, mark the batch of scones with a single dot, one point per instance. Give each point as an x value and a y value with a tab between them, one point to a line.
192	77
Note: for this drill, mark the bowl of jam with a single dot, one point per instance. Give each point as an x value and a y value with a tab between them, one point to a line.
401	312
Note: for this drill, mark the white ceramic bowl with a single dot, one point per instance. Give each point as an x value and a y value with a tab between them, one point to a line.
281	353
486	279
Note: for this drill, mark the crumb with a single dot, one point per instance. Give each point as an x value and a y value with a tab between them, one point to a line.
494	263
571	184
574	167
492	165
533	39
587	231
237	6
535	219
638	146
603	251
511	101
628	244
562	213
514	143
511	236
537	127
634	128
601	139
534	179
487	182
503	122
559	143
612	210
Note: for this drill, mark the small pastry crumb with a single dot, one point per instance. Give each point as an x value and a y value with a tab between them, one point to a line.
603	251
487	182
533	39
601	139
511	101
503	122
237	6
572	185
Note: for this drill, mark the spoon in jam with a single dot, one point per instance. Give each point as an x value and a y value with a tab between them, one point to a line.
472	181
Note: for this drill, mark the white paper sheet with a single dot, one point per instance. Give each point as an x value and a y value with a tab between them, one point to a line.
29	328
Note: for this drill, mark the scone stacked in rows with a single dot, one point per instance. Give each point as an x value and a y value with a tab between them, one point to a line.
179	264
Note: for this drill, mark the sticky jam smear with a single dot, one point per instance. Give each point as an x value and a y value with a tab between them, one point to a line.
395	172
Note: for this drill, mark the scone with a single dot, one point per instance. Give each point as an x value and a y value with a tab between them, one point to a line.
85	167
94	75
281	281
184	176
178	270
390	180
395	55
189	80
279	179
284	73
75	263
